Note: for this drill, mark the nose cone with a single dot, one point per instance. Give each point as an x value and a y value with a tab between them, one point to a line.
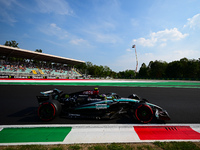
163	115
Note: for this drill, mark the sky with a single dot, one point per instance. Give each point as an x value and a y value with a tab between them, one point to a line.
103	31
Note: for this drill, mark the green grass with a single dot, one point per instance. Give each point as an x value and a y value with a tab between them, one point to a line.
25	147
177	145
97	147
74	147
113	146
144	147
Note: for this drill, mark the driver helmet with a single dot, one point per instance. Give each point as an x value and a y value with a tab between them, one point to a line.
96	91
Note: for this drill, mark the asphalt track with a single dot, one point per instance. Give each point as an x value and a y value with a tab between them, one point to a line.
18	103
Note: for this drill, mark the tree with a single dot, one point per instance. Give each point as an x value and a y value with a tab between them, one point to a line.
81	67
127	74
106	71
38	50
192	69
157	69
183	69
95	70
11	44
198	72
174	70
143	72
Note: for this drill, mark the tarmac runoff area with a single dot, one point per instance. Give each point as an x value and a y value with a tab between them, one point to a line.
104	133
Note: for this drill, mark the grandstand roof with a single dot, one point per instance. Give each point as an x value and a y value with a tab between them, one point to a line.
22	53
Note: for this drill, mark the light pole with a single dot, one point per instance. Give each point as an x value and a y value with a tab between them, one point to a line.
136	57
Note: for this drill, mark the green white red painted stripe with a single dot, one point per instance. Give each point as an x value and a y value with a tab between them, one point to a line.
94	82
167	133
96	133
39	134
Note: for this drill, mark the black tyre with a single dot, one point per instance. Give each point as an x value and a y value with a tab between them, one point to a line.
49	110
144	113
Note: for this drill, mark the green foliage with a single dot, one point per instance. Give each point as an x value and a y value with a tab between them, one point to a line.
183	69
97	147
127	147
56	148
115	146
157	69
177	145
144	147
31	147
103	71
74	147
11	44
38	50
127	74
143	72
112	146
94	70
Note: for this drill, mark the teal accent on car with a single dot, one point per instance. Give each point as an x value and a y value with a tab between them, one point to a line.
87	107
127	100
90	107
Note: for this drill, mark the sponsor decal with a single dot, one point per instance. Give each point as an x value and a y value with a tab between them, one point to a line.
4	76
74	115
101	106
94	99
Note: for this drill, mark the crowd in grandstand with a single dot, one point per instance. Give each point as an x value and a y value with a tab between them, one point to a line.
37	69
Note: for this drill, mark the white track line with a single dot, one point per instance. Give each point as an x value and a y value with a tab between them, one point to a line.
102	135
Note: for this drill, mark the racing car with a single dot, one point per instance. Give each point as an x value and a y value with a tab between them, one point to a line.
91	104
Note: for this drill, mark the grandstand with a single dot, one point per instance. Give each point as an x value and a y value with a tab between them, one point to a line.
35	64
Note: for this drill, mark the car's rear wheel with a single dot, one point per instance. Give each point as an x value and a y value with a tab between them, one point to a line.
49	110
144	113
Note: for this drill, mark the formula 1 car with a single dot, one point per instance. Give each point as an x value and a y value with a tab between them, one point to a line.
91	104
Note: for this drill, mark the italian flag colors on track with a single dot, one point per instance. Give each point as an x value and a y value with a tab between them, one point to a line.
71	134
95	82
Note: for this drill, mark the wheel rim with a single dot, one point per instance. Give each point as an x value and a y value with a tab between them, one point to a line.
46	111
144	113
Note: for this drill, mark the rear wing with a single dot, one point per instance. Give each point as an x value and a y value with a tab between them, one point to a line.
50	92
47	95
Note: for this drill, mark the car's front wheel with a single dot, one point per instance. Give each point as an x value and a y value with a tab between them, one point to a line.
144	113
